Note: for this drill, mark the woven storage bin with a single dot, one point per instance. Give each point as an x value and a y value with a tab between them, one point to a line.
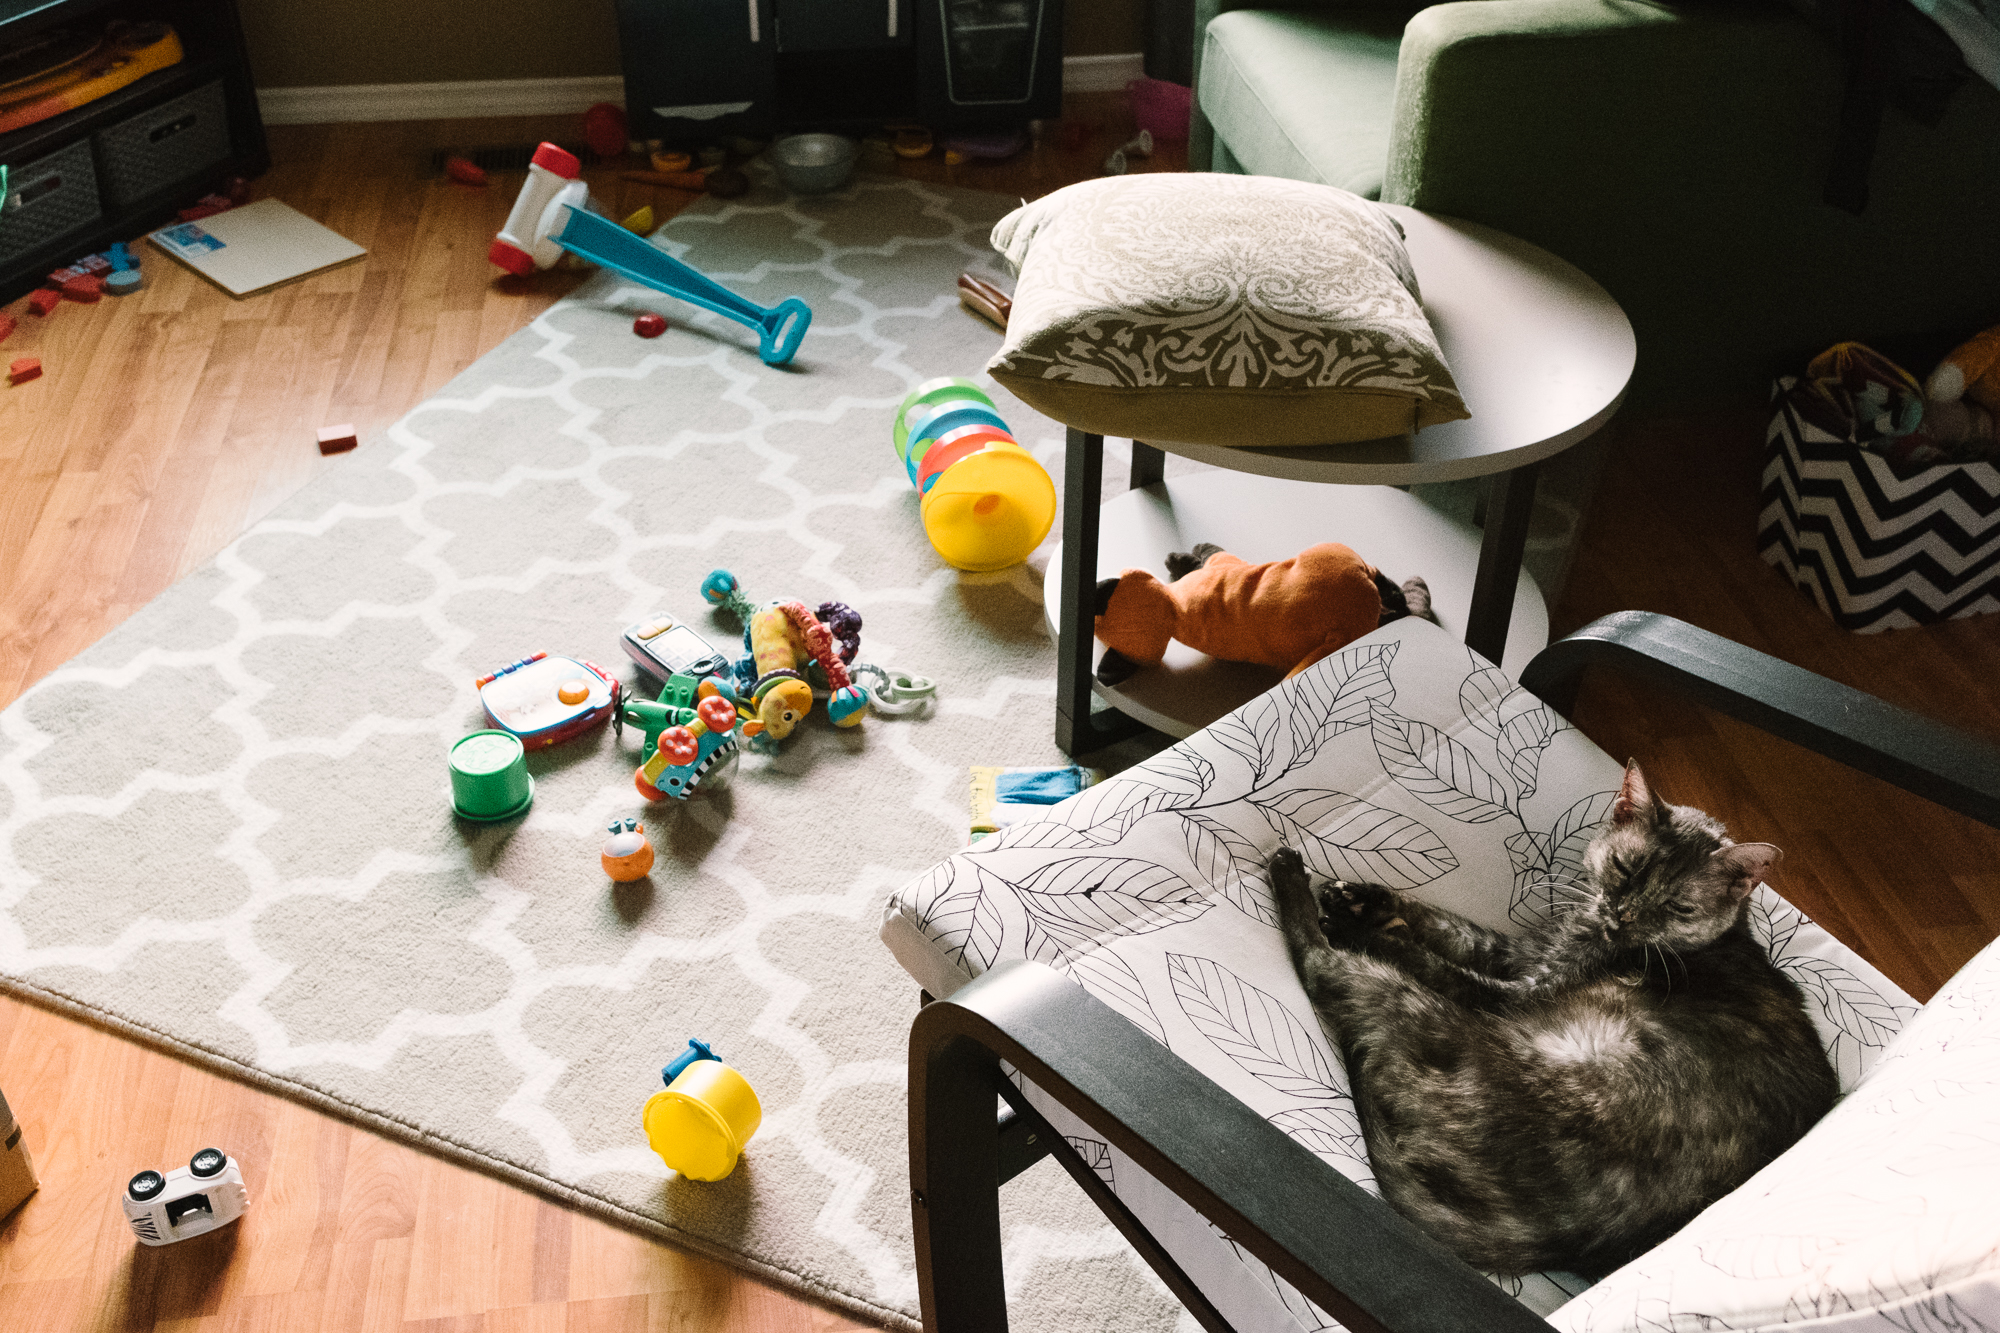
51	197
1876	550
164	146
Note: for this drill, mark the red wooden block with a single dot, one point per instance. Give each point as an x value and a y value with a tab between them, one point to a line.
7	326
27	368
465	171
42	300
650	325
337	439
87	288
198	212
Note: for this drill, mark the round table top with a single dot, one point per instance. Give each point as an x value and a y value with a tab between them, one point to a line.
1541	354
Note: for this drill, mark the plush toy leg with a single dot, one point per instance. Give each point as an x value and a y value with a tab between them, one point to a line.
1411	598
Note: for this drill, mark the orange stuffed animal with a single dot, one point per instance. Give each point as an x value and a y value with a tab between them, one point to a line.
1286	614
1964	392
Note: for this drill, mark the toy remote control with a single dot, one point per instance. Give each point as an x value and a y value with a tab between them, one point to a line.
205	1194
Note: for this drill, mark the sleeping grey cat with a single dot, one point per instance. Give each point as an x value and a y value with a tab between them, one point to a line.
1566	1098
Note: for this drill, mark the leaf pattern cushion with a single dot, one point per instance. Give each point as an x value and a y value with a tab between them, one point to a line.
1882	1218
1219	309
1403	759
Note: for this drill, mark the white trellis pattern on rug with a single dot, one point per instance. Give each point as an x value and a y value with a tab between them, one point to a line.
225	828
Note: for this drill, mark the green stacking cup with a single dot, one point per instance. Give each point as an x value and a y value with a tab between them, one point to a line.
489	776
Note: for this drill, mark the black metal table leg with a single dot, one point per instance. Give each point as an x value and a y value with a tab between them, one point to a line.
1510	504
1149	465
1077	731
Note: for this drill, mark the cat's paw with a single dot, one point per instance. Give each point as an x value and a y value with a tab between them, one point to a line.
1287	868
1355	914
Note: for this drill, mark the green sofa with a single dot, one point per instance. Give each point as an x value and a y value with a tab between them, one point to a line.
1675	152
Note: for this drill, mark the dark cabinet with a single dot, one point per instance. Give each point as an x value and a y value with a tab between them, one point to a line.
122	164
699	69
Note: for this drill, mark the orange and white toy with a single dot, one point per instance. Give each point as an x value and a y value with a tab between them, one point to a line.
1962	396
627	854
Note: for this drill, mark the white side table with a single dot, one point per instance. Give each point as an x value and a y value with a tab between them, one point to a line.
1542	355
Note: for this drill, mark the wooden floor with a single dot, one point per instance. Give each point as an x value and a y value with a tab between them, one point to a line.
168	421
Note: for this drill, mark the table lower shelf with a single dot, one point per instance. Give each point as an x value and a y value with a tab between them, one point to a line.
1259	518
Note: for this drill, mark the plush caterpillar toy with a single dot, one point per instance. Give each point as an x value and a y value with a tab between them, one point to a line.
783	637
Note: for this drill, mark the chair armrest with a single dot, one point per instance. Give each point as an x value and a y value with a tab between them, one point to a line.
1342	1247
1958	771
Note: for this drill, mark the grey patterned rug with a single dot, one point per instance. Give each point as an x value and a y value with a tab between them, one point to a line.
226	828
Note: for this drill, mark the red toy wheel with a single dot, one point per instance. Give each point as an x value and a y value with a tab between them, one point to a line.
679	746
717	714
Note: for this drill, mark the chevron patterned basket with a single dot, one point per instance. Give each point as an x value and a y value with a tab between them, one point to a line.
1876	550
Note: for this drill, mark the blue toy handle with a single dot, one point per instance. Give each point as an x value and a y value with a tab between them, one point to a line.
697	1050
780	329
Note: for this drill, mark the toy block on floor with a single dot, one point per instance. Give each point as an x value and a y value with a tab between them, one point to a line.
7	326
25	369
42	300
337	439
86	288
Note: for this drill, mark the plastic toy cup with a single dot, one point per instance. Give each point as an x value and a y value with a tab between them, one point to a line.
700	1123
489	776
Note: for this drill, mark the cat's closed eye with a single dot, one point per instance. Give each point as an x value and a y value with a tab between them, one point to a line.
1681	909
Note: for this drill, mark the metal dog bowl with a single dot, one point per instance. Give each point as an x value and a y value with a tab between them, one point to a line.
814	163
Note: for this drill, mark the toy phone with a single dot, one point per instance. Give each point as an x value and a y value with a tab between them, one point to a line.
665	647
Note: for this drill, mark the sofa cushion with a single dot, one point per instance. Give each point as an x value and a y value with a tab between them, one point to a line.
1305	96
1403	759
1231	310
1882	1217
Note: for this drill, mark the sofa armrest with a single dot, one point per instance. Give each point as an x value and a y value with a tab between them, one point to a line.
1958	771
1496	95
1201	136
1342	1247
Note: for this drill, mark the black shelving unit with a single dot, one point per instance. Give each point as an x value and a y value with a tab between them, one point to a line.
121	165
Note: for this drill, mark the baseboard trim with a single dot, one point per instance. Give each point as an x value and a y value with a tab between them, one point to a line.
466	99
471	99
1102	74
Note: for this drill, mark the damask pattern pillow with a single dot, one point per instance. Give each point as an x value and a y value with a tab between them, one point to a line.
1218	309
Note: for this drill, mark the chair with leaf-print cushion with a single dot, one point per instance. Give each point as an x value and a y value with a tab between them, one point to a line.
1115	973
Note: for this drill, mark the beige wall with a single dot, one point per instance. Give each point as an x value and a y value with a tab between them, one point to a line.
317	43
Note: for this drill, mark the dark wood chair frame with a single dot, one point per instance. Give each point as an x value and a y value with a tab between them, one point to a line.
1340	1246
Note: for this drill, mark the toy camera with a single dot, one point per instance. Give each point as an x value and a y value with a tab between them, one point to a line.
546	700
205	1194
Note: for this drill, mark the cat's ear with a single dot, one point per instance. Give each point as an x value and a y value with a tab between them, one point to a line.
1635	798
1748	864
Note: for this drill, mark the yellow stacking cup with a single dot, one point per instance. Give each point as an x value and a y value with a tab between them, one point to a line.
990	509
700	1123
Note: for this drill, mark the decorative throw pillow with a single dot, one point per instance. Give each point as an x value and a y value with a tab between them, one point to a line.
1217	309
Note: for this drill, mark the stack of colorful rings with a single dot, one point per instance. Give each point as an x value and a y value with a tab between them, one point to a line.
986	502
